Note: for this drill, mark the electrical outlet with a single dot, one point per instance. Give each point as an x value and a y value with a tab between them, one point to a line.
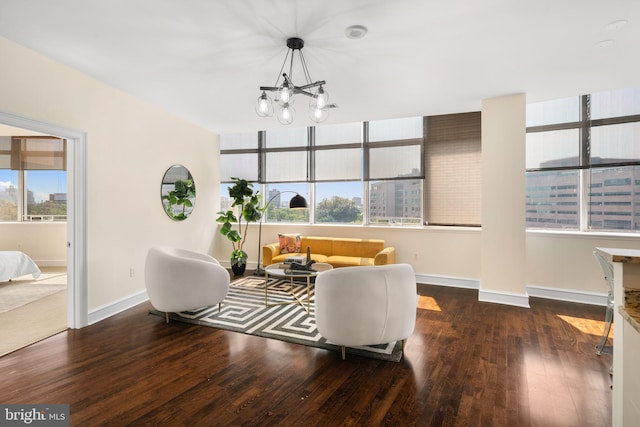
132	272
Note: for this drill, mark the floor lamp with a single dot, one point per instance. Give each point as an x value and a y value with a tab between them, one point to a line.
296	202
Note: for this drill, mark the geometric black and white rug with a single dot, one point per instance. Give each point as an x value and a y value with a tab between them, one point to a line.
243	310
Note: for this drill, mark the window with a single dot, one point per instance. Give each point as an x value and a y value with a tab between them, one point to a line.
337	173
285	156
395	202
338	202
280	195
352	173
33	179
239	157
9	195
552	199
393	169
614	203
583	157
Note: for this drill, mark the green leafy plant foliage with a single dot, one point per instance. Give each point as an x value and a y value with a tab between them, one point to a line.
246	202
183	194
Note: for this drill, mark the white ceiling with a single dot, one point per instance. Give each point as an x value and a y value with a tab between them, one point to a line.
204	60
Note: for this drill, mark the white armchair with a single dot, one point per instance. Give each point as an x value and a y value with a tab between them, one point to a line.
178	280
366	305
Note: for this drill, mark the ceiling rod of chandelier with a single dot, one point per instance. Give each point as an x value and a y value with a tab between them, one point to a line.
285	90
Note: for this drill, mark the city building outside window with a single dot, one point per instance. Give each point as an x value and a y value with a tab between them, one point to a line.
583	162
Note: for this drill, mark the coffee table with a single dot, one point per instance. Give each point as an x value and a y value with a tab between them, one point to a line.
282	271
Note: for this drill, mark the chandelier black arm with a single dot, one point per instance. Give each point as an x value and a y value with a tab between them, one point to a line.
287	79
310	85
297	90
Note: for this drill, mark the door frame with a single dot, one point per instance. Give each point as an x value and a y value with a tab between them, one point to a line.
77	272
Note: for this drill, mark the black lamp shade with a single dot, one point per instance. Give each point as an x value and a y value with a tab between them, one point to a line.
297	202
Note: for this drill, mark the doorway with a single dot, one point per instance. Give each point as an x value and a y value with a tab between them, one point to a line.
77	289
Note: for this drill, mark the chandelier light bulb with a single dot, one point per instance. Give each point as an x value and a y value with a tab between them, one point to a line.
322	98
318	114
286	113
264	106
285	93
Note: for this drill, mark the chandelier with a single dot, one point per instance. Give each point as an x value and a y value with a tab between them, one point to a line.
285	90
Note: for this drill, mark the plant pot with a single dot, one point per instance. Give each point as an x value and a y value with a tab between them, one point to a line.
238	270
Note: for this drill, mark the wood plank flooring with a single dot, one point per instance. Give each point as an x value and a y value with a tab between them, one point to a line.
467	364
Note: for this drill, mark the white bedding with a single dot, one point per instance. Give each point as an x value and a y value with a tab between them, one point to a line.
14	264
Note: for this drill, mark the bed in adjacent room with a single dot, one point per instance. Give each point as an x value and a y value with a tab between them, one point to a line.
15	264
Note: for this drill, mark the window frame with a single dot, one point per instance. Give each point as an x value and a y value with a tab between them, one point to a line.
585	124
366	146
21	157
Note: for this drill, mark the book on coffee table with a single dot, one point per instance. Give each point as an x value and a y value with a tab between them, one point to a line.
299	259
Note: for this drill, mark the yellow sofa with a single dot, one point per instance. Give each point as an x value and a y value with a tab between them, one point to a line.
339	252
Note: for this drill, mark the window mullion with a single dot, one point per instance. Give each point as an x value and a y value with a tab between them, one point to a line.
22	195
585	162
261	156
365	173
585	131
584	198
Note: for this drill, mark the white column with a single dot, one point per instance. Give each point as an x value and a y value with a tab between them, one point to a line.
503	201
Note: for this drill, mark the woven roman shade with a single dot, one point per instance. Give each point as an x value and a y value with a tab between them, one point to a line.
453	178
36	153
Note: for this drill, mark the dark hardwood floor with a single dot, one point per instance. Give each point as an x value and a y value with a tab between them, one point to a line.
467	364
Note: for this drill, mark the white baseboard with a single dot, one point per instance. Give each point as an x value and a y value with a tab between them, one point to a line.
508	298
520	300
116	307
569	295
454	282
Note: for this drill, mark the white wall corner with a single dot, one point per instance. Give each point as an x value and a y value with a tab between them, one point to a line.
508	298
108	310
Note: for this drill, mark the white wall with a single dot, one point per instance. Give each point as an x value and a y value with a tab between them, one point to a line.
44	242
434	251
130	144
565	260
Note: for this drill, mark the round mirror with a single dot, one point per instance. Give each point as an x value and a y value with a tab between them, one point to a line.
178	193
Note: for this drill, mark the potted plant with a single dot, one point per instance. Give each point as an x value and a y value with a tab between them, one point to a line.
247	203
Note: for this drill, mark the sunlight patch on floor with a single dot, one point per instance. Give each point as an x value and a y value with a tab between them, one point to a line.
587	326
428	303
